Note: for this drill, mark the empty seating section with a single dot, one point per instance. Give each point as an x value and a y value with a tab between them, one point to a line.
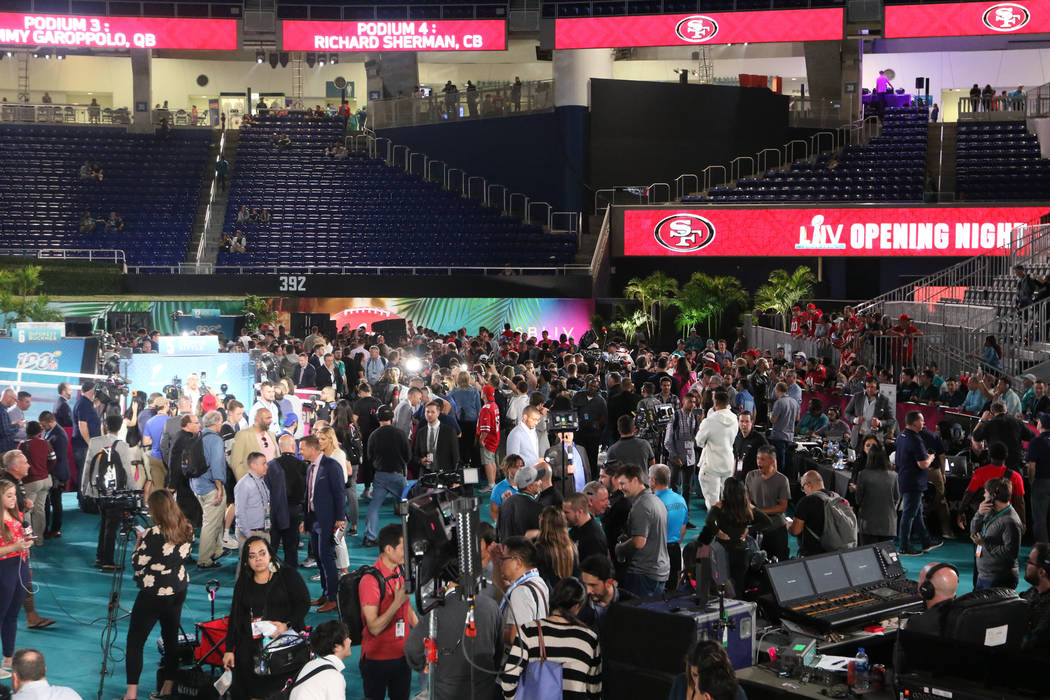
152	182
361	212
1000	160
1002	293
890	168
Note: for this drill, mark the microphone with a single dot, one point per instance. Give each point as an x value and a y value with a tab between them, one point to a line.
27	529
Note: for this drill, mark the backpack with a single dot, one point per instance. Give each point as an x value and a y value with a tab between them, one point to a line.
193	462
349	600
285	693
840	523
541	680
105	473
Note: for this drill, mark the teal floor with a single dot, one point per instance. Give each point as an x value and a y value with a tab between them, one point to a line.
75	594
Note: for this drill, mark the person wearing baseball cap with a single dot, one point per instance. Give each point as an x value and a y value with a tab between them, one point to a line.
86	423
520	513
487	434
389	450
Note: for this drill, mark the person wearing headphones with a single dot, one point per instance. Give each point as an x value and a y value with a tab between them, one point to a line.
1037	573
996	530
938	583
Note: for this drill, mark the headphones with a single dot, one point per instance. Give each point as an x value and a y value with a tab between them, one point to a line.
926	589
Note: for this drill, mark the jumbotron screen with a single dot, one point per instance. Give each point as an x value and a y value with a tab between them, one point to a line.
757	27
429	35
840	232
117	32
968	19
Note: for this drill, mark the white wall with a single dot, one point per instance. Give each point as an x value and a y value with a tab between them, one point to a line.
961	69
173	79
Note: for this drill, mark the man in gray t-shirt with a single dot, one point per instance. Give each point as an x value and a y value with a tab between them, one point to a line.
770	492
644	547
630	449
783	416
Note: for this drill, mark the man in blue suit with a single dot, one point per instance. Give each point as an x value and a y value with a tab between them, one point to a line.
325	514
55	435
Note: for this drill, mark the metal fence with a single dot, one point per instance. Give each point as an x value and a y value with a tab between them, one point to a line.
886	351
110	255
1005	107
92	115
482	103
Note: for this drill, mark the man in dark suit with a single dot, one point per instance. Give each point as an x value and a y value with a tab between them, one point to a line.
282	476
569	466
325	513
59	441
304	376
328	375
436	447
63	409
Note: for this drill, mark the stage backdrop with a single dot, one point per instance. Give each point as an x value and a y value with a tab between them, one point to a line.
531	316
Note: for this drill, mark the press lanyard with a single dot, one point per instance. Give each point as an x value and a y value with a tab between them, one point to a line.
530	574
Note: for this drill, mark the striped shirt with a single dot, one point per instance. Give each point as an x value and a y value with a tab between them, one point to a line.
575	647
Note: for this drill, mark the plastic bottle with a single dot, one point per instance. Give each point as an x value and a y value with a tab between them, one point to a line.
863	681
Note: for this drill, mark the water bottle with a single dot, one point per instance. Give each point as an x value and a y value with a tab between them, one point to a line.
863	682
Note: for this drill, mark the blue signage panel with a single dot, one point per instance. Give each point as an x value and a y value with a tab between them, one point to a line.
61	355
151	373
208	325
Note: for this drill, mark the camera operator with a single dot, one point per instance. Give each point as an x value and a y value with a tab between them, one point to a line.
109	469
483	648
159	562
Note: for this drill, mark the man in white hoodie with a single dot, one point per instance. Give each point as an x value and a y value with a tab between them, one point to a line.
715	437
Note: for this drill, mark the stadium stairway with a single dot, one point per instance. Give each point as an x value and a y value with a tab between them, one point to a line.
204	199
213	234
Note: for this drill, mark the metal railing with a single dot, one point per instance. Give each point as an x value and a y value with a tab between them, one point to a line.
999	108
21	113
203	242
483	103
112	255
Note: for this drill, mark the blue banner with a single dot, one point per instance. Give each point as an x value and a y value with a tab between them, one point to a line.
208	325
62	355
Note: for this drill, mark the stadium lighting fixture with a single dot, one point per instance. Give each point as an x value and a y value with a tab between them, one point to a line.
260	56
283	59
273	59
322	59
333	58
60	55
311	59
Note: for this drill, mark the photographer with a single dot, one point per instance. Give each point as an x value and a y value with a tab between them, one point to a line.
108	470
268	600
159	561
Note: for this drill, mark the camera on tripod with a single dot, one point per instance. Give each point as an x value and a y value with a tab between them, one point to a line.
173	391
130	502
563	421
111	390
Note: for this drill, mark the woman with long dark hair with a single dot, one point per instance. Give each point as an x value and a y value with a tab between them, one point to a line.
14	569
877	498
729	520
685	375
344	422
159	562
556	556
265	591
563	639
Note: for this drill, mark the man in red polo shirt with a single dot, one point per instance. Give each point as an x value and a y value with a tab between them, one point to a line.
388	617
904	342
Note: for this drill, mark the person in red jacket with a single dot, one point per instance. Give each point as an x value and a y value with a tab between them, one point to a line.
487	434
37	482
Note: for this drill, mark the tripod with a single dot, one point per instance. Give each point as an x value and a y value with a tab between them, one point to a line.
113	609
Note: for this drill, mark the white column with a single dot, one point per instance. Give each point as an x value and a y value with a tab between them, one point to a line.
573	70
141	90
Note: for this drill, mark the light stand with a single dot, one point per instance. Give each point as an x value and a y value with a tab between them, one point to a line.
113	609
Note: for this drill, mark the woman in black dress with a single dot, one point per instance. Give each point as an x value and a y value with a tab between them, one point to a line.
265	591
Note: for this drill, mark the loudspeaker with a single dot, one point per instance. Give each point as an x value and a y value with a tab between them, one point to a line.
301	324
919	83
78	327
657	641
393	331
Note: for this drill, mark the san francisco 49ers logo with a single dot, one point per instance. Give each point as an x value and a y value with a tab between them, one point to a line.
684	233
1006	17
697	29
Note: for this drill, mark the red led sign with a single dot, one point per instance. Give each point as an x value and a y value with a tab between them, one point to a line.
438	35
709	28
859	231
118	32
968	19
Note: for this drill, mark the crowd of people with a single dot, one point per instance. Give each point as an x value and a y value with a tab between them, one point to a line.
591	459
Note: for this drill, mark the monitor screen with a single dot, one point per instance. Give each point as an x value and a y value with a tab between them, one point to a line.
828	573
790	581
862	566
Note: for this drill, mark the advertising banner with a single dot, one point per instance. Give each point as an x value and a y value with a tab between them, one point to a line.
531	315
836	232
151	373
430	35
967	19
61	355
39	331
118	32
762	26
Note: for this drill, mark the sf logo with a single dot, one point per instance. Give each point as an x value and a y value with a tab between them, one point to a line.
684	233
697	29
1006	17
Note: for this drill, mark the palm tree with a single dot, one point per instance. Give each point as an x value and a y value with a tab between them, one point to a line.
784	290
704	298
653	292
627	321
22	297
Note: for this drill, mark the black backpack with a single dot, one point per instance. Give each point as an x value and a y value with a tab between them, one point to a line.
193	462
106	472
285	693
349	599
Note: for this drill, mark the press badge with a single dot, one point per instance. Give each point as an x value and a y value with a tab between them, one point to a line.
979	550
399	629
